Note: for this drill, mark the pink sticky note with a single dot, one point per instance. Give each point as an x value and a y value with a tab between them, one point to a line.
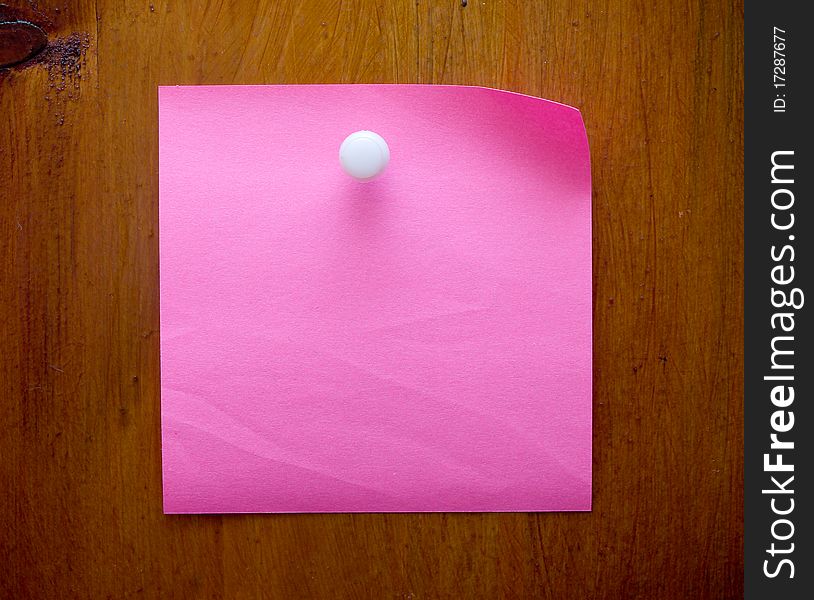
421	342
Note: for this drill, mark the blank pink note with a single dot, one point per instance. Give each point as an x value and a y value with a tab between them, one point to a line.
418	343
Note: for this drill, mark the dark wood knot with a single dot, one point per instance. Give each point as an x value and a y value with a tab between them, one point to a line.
19	42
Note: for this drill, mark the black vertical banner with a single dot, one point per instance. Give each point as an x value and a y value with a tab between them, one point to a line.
779	226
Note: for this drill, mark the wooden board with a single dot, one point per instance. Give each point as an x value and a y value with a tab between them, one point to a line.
660	86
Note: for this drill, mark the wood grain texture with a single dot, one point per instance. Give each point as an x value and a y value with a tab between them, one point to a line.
660	87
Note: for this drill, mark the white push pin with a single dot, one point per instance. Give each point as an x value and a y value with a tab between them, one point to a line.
364	155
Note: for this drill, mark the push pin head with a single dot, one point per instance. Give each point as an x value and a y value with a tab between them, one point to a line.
364	155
